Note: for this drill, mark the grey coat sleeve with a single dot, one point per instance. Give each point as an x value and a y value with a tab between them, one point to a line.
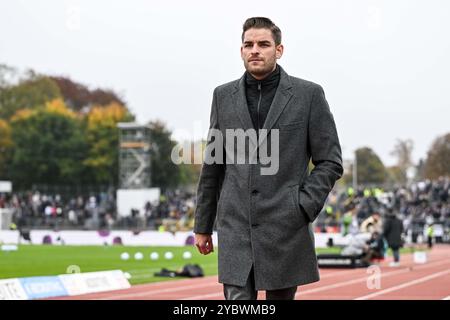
325	150
210	183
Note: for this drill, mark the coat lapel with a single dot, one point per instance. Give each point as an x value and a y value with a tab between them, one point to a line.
241	107
280	100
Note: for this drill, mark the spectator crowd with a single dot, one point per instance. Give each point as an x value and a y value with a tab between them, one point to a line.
419	206
423	207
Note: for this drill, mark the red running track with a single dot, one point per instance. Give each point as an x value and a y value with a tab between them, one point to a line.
409	281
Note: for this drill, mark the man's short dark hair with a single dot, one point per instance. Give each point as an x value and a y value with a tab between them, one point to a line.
262	23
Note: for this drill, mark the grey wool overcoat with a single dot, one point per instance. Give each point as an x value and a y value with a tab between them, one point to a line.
265	220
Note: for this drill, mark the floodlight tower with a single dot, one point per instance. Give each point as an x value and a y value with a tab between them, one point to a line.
135	149
134	156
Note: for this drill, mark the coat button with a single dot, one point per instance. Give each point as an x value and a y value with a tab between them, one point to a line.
255	225
255	192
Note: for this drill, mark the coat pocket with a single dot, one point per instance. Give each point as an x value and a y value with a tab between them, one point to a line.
300	216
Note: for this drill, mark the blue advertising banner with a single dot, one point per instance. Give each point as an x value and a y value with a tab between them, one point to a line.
43	287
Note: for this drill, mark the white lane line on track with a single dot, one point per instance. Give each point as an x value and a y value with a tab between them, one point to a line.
331	286
139	294
166	290
362	279
323	288
181	287
446	298
141	288
404	285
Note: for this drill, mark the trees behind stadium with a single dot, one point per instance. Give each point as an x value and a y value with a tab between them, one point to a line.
54	131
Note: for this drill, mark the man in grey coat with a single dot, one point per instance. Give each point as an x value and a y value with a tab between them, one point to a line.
264	204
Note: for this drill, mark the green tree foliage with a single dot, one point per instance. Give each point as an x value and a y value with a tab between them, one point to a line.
164	173
370	169
55	131
6	145
403	152
103	141
7	75
29	93
396	175
438	158
49	146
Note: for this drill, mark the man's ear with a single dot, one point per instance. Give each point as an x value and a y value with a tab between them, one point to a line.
242	54
279	51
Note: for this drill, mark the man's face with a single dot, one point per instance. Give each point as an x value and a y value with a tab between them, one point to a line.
259	53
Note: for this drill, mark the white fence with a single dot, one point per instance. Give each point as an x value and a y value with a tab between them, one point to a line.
144	238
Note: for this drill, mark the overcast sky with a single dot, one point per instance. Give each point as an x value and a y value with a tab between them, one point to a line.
384	65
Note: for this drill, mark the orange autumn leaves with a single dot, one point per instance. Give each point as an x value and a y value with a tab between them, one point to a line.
108	115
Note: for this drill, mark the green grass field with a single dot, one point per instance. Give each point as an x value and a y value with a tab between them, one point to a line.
44	260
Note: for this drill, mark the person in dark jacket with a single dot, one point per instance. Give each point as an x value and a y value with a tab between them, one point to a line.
392	232
374	248
265	214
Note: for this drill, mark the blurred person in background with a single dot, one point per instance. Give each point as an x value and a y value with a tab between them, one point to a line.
374	249
372	224
392	232
430	235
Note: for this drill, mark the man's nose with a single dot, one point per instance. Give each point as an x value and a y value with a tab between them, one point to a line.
255	49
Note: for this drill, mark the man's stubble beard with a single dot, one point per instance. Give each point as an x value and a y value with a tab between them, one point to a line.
267	68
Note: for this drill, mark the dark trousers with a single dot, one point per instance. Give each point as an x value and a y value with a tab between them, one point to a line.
430	242
248	292
396	253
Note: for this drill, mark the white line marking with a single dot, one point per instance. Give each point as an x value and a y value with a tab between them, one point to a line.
404	285
148	293
363	279
182	288
331	286
323	288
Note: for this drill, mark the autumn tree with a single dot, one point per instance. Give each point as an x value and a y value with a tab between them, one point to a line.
49	146
403	152
103	141
6	145
78	96
164	173
8	75
30	93
370	168
438	158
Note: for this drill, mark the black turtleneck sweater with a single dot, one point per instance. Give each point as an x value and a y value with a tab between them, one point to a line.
260	94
